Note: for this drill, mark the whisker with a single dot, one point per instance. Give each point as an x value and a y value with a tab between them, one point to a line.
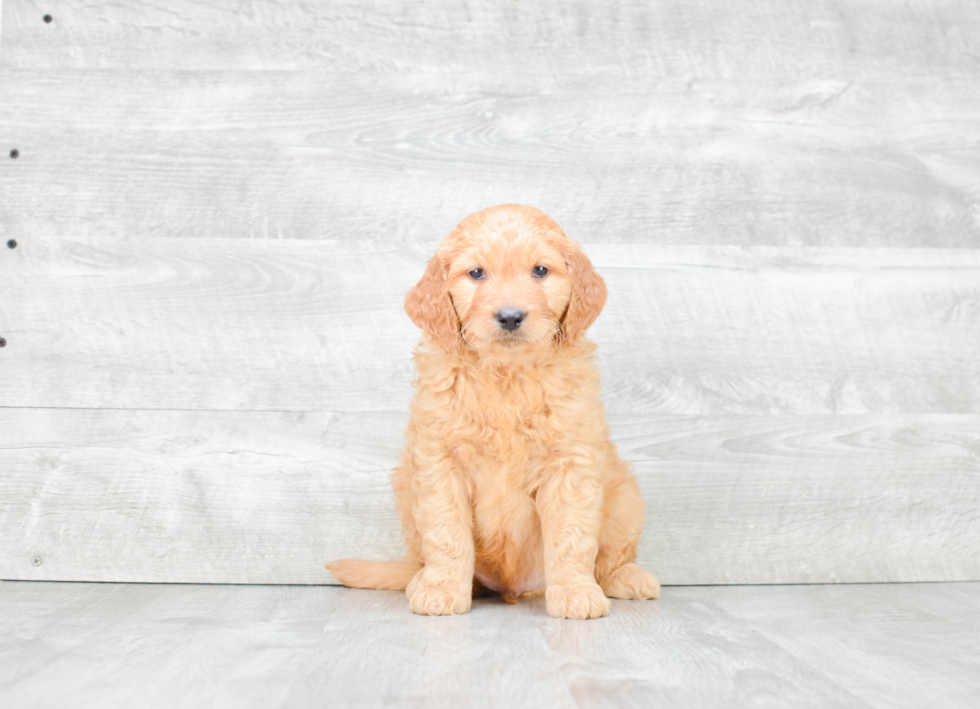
462	332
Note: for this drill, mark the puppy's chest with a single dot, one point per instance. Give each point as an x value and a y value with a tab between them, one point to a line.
503	426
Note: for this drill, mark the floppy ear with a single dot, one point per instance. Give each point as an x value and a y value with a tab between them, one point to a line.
429	306
588	292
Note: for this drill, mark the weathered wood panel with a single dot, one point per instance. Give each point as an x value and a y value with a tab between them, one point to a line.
263	497
780	38
316	152
96	645
309	325
667	160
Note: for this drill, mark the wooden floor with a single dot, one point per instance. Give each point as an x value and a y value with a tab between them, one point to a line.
149	645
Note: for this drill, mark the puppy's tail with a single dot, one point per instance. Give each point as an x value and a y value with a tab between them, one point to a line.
391	575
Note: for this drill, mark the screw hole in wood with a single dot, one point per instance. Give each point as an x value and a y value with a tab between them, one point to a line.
3	342
47	18
12	243
15	153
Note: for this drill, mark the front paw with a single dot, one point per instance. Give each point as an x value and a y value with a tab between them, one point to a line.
579	601
437	594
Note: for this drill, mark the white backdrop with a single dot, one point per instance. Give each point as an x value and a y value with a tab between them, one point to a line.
218	210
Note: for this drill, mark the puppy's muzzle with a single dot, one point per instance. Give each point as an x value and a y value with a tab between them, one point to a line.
510	318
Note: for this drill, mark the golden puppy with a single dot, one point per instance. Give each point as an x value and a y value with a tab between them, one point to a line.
508	474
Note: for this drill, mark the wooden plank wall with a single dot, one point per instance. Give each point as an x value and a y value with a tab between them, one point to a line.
217	210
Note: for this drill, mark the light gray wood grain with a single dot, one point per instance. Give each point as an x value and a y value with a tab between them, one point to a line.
891	162
96	645
869	631
778	38
316	152
264	497
310	325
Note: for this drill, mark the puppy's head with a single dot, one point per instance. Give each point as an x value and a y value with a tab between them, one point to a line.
506	278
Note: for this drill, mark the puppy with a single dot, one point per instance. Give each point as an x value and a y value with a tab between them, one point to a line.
508	477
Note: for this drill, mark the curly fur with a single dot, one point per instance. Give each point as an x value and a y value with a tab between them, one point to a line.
508	479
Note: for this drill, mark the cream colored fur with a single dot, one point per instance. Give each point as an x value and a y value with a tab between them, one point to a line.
508	476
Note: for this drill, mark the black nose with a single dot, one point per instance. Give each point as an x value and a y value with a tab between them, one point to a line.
510	319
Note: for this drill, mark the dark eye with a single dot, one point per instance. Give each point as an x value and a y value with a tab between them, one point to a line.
477	274
540	271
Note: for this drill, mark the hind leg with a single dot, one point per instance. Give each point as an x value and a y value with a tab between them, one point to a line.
401	480
622	519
